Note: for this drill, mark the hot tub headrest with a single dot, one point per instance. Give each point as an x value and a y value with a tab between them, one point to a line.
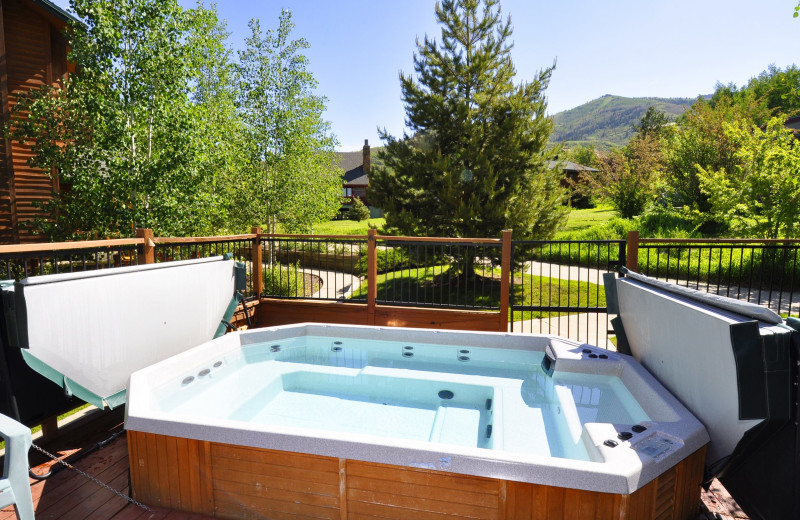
742	308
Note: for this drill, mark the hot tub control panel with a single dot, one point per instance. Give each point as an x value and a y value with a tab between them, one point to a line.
657	446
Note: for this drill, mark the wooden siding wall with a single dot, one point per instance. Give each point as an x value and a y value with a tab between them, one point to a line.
33	53
271	312
239	482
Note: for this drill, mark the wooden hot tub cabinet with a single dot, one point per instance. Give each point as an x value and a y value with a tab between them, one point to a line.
239	482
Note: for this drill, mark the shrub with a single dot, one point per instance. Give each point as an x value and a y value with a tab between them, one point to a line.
578	200
665	222
358	211
283	280
615	229
629	177
394	258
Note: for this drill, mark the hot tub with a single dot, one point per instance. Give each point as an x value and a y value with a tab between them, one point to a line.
326	421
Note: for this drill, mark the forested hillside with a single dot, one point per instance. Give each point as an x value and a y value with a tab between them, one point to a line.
728	166
609	120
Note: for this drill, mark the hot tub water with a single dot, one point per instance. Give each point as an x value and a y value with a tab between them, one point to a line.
499	399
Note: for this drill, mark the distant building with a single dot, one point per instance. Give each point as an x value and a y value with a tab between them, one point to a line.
572	172
357	167
33	53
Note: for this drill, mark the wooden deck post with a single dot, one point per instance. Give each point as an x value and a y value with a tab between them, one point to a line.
506	272
148	247
632	251
50	428
372	274
257	256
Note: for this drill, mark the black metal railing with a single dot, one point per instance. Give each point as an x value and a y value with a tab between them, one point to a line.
175	249
444	273
19	265
765	273
554	287
307	267
557	287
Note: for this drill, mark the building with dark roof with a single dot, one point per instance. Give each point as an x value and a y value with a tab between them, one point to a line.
572	172
357	167
33	53
571	169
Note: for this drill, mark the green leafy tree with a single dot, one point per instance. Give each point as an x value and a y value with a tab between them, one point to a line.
630	177
220	143
585	155
760	195
700	141
299	184
475	162
772	93
117	133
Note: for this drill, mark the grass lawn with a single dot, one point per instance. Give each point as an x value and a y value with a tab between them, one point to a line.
436	285
348	227
580	219
542	291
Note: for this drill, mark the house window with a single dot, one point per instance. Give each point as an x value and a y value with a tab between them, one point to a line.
348	192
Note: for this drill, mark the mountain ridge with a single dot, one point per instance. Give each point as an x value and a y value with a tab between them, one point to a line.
609	120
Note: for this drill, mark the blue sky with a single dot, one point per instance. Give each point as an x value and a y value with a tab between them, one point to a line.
636	48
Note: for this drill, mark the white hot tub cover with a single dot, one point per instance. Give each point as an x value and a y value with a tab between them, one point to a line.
89	331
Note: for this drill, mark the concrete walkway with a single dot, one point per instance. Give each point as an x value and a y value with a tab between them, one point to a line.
565	272
784	303
583	327
336	285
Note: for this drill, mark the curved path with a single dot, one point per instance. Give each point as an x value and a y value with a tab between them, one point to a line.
336	285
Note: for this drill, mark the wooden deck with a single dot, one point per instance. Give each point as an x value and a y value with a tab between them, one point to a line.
68	495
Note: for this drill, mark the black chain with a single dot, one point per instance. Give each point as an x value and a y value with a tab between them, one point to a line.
93	479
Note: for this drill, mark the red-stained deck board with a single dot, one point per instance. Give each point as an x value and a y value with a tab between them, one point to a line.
70	496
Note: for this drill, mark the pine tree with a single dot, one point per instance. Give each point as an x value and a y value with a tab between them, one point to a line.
475	162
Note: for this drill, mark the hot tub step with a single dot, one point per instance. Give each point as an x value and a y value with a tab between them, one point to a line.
459	426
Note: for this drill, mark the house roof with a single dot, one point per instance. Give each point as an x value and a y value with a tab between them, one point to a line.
56	11
360	180
571	166
353	165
